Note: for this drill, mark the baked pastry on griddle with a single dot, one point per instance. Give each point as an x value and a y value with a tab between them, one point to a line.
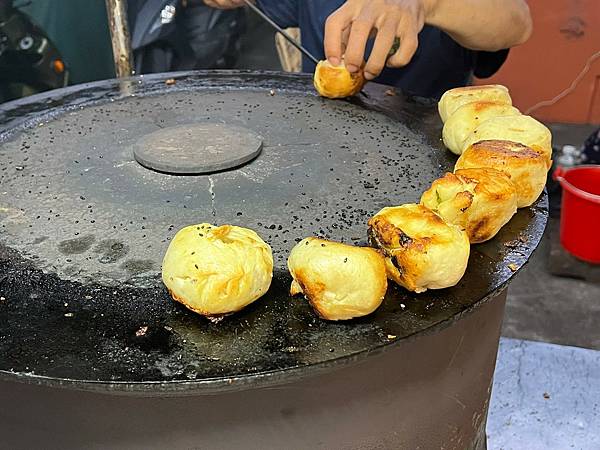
479	201
336	81
340	281
468	117
423	251
522	129
526	167
216	271
457	97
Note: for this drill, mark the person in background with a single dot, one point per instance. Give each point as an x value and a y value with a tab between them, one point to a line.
201	38
443	43
590	153
183	35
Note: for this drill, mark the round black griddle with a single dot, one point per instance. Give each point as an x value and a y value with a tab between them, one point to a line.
84	226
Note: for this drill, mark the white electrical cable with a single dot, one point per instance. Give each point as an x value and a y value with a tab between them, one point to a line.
570	89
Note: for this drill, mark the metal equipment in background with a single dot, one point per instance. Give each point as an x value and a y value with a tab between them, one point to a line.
29	61
116	12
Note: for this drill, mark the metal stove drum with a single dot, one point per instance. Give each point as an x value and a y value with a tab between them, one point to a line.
96	179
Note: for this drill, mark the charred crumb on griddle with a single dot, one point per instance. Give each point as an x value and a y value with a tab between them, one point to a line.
512	244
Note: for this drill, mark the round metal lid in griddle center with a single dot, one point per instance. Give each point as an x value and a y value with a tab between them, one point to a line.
84	227
197	148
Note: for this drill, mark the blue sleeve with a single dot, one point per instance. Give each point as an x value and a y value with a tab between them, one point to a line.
283	12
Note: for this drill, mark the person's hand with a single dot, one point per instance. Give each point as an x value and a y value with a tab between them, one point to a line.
225	4
348	29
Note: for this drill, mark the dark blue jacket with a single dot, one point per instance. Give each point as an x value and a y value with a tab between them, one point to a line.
438	65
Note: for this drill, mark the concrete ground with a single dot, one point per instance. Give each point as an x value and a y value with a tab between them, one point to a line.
544	398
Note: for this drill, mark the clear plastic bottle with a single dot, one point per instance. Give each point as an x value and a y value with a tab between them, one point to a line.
570	156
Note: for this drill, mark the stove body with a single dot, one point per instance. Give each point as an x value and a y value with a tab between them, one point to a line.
84	227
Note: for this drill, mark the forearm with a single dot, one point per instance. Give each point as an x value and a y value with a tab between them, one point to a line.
481	24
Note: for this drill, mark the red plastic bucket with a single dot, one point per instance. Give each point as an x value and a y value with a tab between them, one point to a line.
580	211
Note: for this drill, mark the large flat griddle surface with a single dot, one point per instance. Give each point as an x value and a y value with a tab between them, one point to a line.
84	227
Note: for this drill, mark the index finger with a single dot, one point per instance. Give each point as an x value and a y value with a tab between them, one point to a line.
335	25
381	48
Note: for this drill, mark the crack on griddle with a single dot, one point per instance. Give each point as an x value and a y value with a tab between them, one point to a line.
211	190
